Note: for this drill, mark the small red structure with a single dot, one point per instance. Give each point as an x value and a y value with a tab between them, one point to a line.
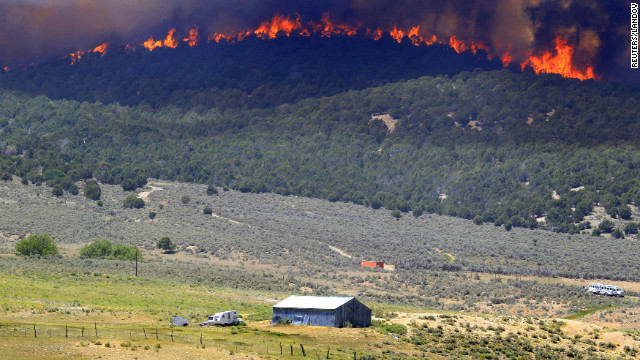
372	264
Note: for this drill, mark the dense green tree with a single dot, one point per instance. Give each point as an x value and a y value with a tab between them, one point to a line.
631	228
92	190
165	244
152	215
37	245
617	233
57	191
133	201
99	248
212	190
606	226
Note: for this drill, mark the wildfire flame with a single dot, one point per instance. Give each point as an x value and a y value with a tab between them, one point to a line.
6	68
561	63
506	58
192	40
101	49
280	25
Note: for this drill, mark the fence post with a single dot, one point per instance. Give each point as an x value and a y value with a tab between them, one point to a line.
95	325
156	333
328	349
171	335
280	347
291	349
303	353
35	332
66	331
83	331
200	338
145	333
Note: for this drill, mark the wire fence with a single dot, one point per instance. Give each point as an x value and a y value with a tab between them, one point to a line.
106	332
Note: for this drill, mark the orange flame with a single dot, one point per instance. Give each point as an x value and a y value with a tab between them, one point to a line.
457	45
76	56
506	58
559	64
170	41
397	34
6	68
100	49
192	40
150	44
280	25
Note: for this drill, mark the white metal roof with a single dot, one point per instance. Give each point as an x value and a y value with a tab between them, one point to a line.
312	302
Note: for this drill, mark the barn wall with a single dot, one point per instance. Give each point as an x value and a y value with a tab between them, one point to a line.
310	317
354	313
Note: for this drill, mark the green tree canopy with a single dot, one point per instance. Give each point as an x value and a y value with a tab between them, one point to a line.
36	245
92	190
133	201
165	244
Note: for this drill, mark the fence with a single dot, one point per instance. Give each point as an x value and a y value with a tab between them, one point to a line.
112	332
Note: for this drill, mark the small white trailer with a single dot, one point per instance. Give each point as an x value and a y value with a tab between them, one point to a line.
180	321
223	318
608	290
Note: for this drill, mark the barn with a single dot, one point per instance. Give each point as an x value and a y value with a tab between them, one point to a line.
322	311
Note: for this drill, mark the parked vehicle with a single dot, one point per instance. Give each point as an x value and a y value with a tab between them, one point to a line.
223	318
180	321
608	290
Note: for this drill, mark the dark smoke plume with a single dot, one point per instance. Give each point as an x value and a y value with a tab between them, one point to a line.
39	30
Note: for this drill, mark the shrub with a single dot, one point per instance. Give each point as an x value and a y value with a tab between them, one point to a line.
508	225
37	245
99	248
207	211
212	190
631	228
165	244
185	199
92	190
57	191
617	233
124	252
152	215
102	248
606	226
132	201
396	214
73	189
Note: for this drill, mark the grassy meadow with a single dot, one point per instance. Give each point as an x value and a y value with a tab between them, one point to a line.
459	290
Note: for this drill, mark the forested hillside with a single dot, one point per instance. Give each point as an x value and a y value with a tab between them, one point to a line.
252	73
492	146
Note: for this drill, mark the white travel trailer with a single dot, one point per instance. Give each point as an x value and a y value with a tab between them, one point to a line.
223	318
180	321
609	290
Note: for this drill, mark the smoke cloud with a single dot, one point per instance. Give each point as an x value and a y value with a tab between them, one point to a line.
39	30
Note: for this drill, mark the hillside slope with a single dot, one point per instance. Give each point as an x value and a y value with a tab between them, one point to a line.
489	146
